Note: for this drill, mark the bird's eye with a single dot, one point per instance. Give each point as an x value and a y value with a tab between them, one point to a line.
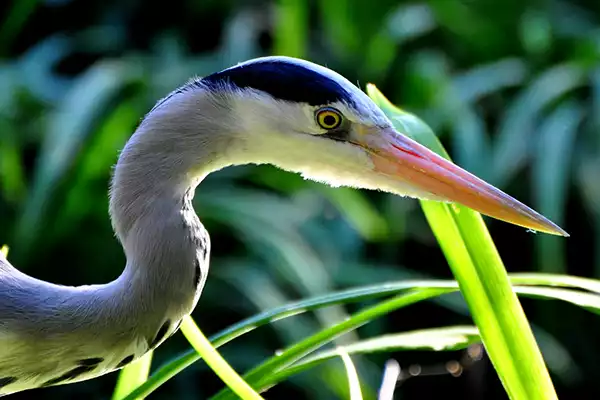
328	118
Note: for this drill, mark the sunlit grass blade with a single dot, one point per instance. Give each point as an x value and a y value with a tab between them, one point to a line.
132	376
260	376
587	301
364	293
438	339
353	380
483	280
566	281
263	376
245	278
391	373
214	360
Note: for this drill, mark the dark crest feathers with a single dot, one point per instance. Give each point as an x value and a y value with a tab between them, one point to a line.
284	79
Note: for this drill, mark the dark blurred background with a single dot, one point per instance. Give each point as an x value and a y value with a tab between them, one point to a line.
511	87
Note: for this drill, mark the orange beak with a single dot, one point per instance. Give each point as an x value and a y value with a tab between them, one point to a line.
403	159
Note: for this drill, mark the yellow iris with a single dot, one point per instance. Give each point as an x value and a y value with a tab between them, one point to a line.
329	118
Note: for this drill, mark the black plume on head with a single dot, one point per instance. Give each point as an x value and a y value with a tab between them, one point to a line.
285	79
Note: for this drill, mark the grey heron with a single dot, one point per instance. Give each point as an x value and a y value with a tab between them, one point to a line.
291	113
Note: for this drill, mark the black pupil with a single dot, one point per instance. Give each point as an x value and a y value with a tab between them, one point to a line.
329	120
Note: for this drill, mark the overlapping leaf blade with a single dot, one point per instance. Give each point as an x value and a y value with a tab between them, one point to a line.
577	291
483	280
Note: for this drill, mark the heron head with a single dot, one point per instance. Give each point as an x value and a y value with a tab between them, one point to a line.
307	118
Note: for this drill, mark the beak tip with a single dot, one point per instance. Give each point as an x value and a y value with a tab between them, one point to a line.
563	233
553	229
397	156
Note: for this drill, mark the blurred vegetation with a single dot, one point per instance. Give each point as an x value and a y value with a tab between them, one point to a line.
512	88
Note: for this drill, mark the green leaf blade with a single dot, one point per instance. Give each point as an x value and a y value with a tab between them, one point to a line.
579	297
353	380
482	278
217	363
438	339
261	377
133	376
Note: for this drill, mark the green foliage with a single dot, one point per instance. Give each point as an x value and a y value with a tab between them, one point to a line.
511	87
133	376
482	278
216	362
353	379
582	292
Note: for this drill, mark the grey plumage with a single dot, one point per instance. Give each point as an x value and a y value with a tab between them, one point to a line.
262	111
47	331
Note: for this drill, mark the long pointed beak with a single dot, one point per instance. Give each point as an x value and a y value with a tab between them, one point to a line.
401	158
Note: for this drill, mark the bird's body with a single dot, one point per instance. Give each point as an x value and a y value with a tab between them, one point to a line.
290	113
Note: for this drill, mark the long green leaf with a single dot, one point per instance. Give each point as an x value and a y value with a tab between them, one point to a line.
278	364
566	281
447	339
364	293
353	380
214	360
483	280
260	376
438	339
132	376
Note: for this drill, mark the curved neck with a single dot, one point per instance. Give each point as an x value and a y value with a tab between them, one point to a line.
172	150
